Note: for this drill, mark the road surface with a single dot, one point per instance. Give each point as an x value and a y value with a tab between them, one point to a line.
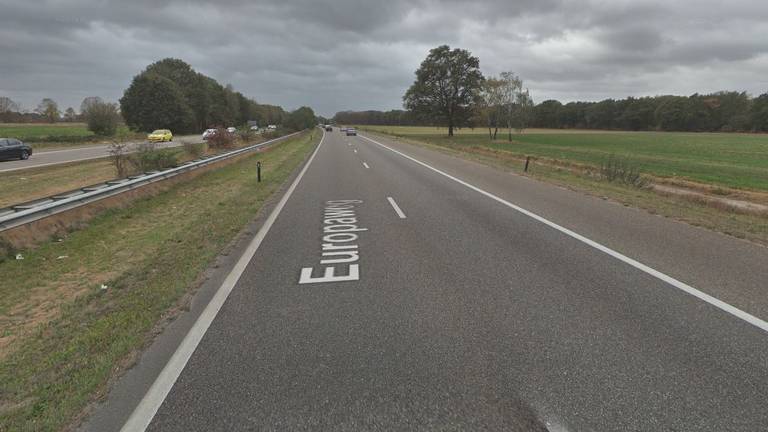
54	157
460	297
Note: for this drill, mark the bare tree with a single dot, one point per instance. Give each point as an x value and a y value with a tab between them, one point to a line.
49	109
88	103
517	103
70	115
118	153
490	105
8	105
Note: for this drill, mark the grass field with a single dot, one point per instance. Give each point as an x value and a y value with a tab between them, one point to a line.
44	135
722	159
39	132
62	336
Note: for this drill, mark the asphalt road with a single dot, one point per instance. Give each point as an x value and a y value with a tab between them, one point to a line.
54	157
467	313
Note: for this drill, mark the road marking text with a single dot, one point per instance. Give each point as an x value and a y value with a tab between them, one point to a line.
339	244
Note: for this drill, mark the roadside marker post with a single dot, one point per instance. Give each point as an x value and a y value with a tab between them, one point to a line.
527	160
258	171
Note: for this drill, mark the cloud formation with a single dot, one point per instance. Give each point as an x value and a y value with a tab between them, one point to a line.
349	54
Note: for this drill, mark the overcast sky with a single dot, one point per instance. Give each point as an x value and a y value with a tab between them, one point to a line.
349	54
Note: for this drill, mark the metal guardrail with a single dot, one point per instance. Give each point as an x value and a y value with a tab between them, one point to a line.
21	214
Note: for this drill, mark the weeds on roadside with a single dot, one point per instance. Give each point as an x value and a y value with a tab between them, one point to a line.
617	170
149	158
222	139
194	150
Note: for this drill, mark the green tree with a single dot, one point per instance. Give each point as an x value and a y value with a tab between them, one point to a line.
155	102
300	119
192	85
674	114
759	113
102	118
70	115
547	114
447	83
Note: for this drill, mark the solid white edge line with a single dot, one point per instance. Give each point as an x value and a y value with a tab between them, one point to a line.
365	165
738	313
396	207
144	412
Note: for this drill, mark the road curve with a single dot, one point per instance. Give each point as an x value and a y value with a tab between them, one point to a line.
55	157
456	311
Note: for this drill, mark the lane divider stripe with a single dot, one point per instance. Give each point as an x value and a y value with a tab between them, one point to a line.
396	207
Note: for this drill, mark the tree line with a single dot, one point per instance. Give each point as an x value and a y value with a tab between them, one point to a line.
168	94
725	111
449	90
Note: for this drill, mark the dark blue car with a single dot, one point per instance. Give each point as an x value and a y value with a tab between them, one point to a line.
11	148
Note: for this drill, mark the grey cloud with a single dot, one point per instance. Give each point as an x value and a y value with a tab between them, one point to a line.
349	54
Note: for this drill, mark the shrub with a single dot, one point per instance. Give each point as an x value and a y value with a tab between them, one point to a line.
194	150
622	171
120	158
149	158
245	135
103	118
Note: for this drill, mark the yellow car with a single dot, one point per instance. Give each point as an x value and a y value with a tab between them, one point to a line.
160	135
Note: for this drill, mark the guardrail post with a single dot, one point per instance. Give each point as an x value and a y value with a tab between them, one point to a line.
258	171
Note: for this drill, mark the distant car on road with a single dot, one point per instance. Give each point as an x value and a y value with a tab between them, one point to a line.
328	128
231	129
208	133
351	132
343	129
254	127
271	127
160	135
11	148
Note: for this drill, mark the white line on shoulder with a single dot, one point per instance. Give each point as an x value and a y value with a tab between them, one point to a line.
144	413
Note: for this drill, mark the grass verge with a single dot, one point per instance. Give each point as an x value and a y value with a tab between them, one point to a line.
33	183
744	226
62	337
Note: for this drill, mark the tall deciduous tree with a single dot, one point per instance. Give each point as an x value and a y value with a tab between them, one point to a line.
447	83
302	118
155	102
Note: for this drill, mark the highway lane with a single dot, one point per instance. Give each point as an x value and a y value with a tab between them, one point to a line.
55	157
466	315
